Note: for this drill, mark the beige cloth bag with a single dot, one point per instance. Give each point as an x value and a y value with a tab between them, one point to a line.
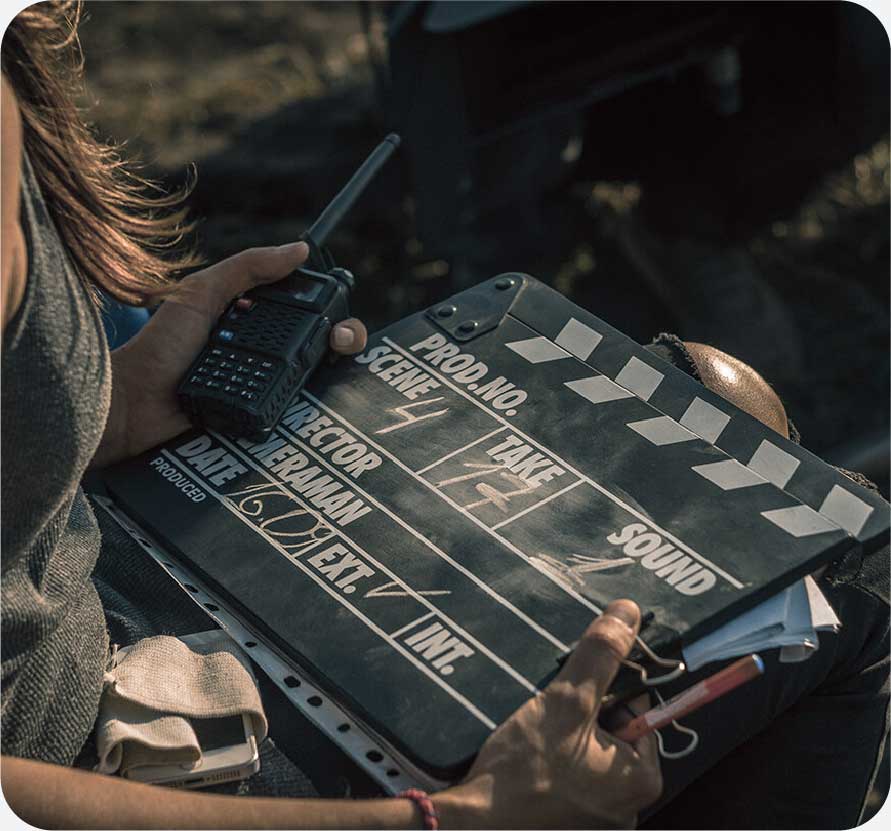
156	686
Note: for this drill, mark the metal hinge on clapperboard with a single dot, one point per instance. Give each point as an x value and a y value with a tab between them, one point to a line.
471	313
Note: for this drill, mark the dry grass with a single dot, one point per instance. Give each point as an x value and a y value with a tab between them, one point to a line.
177	79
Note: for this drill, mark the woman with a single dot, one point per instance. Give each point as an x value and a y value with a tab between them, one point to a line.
76	221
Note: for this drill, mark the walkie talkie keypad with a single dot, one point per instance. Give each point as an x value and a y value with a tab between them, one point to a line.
233	374
257	361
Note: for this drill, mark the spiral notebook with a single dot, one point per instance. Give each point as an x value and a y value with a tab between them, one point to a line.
436	520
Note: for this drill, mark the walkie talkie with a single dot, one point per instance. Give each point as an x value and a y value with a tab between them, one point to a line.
269	341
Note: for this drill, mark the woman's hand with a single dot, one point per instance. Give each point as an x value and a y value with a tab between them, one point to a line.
550	765
148	368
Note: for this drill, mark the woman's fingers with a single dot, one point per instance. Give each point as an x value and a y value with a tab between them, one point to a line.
594	662
256	266
349	337
649	770
212	289
621	714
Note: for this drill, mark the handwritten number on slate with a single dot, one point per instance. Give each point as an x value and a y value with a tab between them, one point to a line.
491	495
408	417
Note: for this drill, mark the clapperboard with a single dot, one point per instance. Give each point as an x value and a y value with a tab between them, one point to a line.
438	519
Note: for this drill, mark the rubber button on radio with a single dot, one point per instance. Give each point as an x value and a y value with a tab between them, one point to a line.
244	304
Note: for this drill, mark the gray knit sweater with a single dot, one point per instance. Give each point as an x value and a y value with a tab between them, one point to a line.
55	398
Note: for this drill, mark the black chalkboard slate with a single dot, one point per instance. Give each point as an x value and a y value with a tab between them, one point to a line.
437	520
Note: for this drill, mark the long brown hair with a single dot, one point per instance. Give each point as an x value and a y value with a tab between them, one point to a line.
122	231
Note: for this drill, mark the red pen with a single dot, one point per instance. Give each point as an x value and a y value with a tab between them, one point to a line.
684	703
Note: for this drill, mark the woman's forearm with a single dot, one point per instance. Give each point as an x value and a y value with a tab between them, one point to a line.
51	796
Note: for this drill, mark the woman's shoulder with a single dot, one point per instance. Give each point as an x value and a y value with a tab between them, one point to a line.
14	252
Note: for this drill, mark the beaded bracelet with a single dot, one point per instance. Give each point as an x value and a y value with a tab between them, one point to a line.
425	806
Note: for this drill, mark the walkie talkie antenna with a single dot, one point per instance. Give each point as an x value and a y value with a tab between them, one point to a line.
318	232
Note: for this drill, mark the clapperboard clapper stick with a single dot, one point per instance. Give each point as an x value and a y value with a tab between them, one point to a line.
436	520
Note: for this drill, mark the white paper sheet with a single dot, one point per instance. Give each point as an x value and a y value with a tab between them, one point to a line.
790	620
